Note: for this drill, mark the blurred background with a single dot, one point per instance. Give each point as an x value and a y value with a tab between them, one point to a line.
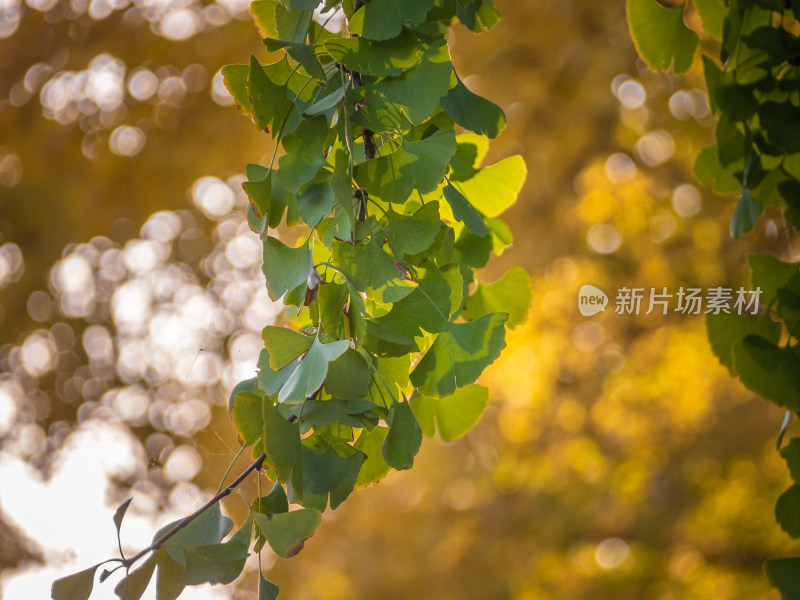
617	458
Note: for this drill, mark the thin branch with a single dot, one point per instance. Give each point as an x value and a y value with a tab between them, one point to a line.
255	466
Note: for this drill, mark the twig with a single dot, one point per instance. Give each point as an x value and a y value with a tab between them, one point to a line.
255	466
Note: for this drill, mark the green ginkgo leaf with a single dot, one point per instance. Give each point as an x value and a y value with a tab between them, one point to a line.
460	354
660	35
311	371
454	415
287	532
473	112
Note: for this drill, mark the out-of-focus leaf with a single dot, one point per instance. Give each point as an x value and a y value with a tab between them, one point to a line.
770	371
661	37
403	440
119	514
266	590
248	385
455	415
263	13
134	585
724	330
769	273
709	171
787	511
712	14
791	454
287	532
747	211
460	354
77	586
169	581
510	294
784	574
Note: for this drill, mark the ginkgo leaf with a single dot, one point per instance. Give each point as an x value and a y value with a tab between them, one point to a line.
285	268
384	19
311	371
375	467
473	112
77	586
454	415
459	355
377	58
661	37
287	532
494	188
403	440
511	294
421	164
284	345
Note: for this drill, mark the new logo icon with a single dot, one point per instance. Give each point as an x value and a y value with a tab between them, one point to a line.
591	300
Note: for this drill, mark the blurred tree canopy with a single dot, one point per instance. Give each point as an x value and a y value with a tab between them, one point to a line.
617	457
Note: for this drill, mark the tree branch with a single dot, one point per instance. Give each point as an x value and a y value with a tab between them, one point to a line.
255	466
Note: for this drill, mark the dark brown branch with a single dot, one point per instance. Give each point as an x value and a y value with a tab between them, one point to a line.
255	466
369	143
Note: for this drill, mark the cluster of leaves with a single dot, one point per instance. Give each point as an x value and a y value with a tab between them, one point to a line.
390	213
754	93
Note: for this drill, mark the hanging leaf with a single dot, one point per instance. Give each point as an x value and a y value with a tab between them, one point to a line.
403	439
287	532
747	211
419	164
783	574
379	59
769	274
787	511
454	415
724	330
384	19
134	585
494	188
266	590
310	373
281	441
77	586
375	467
284	345
464	211
511	294
473	112
660	36
285	268
770	371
